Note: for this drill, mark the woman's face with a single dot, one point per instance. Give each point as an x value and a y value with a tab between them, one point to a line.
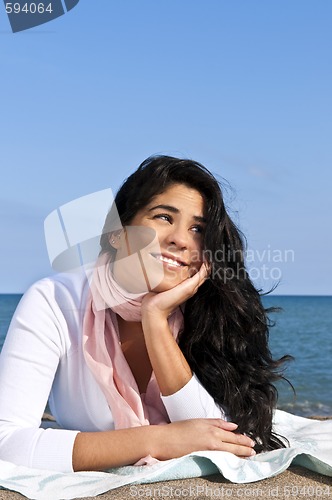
163	244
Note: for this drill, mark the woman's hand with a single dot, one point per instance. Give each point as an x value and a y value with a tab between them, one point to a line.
187	436
162	304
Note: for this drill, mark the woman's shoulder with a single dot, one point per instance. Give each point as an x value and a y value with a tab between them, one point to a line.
66	290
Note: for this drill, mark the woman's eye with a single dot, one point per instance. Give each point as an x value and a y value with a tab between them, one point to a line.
165	217
198	229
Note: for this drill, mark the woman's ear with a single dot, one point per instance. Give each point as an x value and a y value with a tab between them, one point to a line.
115	239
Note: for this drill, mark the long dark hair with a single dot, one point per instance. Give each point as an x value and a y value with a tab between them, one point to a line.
226	328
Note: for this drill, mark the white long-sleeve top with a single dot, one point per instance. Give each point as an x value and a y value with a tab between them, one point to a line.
43	359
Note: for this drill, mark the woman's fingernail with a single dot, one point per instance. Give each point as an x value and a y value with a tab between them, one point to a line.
252	453
252	443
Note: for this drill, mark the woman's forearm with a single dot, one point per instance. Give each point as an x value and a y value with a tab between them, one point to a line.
168	362
103	450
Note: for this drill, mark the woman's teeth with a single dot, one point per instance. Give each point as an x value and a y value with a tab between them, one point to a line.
168	260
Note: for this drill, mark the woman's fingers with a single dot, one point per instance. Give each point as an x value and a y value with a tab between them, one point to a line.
236	439
207	434
189	287
170	299
228	440
238	450
230	426
227	434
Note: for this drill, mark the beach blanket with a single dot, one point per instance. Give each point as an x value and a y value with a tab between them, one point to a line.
310	446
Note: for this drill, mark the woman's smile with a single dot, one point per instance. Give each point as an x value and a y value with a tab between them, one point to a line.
169	261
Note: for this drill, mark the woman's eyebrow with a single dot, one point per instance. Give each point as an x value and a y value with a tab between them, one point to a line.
175	210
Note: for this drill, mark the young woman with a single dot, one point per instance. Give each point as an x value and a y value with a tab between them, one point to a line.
157	351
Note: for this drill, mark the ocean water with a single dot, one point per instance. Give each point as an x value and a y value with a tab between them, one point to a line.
8	303
303	329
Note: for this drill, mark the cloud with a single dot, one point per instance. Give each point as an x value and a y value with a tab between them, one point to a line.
260	172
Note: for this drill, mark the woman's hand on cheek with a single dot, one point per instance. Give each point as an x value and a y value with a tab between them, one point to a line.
162	304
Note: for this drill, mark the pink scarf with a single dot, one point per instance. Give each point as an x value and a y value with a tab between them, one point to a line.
104	356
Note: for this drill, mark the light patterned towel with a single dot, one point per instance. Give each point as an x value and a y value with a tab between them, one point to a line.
310	447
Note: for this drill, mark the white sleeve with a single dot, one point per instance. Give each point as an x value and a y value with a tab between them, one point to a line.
192	401
28	364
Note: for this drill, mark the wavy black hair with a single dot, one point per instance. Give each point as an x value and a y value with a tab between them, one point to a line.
226	328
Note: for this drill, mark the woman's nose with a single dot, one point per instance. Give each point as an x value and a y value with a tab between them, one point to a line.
178	237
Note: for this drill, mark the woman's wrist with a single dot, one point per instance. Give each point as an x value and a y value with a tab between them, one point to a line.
154	319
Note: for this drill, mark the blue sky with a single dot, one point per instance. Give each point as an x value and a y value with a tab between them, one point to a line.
242	86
